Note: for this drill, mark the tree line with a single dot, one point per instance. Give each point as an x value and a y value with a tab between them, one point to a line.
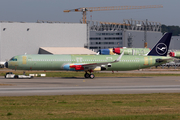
174	29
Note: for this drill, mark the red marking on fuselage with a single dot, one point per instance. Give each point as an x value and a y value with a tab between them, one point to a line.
77	67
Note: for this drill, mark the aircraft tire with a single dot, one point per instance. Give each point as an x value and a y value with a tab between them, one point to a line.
86	75
91	76
16	76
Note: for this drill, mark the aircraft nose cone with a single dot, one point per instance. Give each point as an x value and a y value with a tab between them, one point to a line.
6	64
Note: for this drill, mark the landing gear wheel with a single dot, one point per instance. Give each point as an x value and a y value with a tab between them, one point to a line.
91	76
86	75
16	76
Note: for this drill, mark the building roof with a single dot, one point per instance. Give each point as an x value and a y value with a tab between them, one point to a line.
65	50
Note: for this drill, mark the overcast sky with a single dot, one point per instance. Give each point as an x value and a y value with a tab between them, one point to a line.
52	10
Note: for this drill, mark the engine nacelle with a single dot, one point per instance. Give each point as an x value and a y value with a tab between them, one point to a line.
172	54
77	67
106	51
73	67
117	50
175	54
99	69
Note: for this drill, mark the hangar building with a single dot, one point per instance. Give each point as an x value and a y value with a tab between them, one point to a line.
28	38
130	34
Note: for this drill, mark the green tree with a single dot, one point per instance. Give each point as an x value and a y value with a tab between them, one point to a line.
174	29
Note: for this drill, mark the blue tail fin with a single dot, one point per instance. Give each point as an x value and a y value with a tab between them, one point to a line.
162	47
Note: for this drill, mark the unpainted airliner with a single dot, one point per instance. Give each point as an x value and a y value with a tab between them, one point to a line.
91	63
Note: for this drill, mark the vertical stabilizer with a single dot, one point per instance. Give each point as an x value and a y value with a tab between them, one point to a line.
162	47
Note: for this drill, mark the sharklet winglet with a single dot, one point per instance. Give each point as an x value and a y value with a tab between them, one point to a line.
117	60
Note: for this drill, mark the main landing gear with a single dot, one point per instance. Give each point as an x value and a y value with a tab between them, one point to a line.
87	75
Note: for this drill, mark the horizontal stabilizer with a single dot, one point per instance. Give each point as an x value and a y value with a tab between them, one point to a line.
163	60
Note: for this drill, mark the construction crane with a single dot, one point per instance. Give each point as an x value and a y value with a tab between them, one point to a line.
91	9
112	23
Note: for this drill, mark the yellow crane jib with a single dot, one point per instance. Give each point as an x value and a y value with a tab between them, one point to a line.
91	9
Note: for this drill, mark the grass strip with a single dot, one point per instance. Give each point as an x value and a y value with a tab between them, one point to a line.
160	106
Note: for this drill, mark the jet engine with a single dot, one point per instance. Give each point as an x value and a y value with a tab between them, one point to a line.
175	54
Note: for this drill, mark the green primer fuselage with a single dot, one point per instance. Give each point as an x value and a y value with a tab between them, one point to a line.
135	51
61	62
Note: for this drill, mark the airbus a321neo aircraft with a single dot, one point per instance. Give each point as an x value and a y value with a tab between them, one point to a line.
91	63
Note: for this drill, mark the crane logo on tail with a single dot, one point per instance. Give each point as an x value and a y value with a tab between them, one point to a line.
161	48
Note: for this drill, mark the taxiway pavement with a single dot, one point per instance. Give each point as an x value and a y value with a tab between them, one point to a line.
101	85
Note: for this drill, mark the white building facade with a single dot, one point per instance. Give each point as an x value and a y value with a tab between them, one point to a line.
27	38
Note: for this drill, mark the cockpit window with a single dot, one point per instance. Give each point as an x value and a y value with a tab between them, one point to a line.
13	59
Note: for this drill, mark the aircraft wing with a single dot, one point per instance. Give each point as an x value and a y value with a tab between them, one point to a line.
103	63
92	65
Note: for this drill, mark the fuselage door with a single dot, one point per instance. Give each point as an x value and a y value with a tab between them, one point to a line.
24	59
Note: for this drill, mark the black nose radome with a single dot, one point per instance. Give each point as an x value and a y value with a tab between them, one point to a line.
6	64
